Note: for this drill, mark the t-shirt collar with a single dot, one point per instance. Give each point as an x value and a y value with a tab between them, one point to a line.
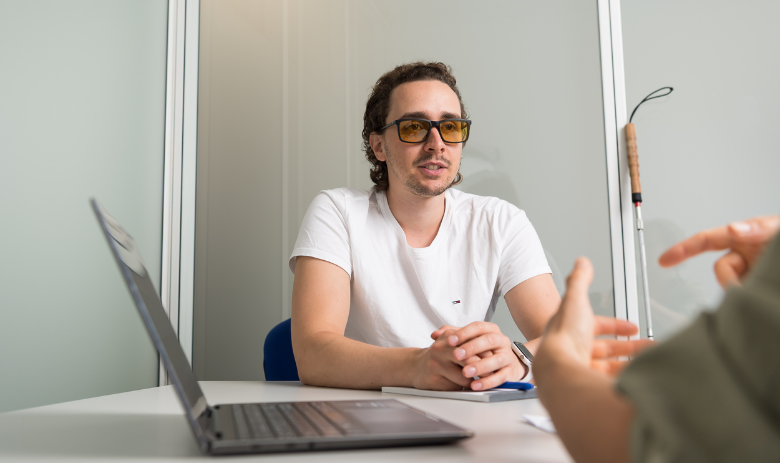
384	209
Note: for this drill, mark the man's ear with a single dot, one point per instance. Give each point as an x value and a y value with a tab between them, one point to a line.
378	145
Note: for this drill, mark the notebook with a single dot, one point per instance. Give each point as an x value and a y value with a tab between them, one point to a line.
491	395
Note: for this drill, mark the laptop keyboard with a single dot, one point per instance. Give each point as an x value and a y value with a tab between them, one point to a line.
289	420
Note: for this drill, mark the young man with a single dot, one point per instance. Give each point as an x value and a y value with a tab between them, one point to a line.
708	394
394	286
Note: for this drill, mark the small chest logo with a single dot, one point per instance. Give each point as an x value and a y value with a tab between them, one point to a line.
456	302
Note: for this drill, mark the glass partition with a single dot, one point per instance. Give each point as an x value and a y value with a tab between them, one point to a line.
82	101
282	90
530	76
707	155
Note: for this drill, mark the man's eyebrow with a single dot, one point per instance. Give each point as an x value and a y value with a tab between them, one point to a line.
414	114
421	115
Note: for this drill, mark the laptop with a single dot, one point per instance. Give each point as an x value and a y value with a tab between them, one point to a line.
270	426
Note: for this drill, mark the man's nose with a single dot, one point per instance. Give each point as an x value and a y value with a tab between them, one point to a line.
434	141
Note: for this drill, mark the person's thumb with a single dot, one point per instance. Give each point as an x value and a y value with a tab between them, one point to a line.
575	316
579	279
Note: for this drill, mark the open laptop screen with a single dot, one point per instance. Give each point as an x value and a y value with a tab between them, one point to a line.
153	314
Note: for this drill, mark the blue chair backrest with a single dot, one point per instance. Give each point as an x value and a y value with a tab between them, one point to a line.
278	359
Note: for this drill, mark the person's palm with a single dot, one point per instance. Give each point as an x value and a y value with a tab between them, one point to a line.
572	333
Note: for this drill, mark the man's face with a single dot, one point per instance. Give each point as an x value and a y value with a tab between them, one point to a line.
427	168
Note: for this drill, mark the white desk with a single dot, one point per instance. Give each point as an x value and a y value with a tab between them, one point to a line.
149	425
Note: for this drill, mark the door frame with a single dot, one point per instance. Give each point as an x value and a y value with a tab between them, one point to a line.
181	123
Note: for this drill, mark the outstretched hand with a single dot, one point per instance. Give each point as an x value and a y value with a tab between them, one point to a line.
744	240
571	334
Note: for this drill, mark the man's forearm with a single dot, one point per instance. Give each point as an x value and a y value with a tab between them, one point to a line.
591	418
328	359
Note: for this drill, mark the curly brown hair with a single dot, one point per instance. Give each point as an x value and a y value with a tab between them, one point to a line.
378	107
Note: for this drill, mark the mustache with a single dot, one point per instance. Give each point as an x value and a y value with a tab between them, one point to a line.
429	157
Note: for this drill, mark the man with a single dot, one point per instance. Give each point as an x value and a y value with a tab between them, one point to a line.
708	394
395	286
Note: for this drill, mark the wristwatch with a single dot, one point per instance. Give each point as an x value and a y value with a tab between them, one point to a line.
525	356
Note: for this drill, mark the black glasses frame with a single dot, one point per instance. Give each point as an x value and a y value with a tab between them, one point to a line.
434	124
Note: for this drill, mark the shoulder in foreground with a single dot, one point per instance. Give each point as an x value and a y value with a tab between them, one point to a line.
350	194
468	201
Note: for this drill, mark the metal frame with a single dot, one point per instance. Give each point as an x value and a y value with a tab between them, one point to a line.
189	172
178	249
619	182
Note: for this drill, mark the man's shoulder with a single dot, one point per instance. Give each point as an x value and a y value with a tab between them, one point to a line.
349	193
344	197
467	202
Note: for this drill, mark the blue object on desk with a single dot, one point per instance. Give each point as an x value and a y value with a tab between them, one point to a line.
278	359
515	385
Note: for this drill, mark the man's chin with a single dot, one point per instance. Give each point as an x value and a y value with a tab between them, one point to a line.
428	191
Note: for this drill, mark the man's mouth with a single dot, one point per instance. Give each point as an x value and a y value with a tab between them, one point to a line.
434	166
433	169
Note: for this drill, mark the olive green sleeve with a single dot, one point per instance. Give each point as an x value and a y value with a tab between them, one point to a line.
711	393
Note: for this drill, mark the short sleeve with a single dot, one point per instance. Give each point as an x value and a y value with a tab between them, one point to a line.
522	255
324	234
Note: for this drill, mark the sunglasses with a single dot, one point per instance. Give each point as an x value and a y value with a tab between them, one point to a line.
418	130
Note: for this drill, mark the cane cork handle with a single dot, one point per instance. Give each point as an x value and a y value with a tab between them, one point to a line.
633	158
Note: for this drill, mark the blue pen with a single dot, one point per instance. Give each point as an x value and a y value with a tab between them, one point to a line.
515	385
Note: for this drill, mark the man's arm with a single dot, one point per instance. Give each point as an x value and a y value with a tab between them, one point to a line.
532	304
325	357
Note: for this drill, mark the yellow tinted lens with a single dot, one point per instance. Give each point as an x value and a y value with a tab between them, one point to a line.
413	131
454	131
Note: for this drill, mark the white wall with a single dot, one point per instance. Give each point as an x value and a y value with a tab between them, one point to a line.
82	101
283	86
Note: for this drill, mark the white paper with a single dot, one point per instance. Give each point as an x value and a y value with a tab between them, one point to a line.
542	422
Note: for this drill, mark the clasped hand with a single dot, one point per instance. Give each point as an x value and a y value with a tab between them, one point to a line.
458	356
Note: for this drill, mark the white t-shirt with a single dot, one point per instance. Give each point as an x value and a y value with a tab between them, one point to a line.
400	295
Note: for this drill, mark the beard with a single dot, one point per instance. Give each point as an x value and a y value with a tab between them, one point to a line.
412	183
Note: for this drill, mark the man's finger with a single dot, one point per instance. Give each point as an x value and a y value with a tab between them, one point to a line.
469	360
486	342
613	326
709	240
441	383
488	365
435	335
453	374
730	268
611	348
471	331
490	381
449	371
443	335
